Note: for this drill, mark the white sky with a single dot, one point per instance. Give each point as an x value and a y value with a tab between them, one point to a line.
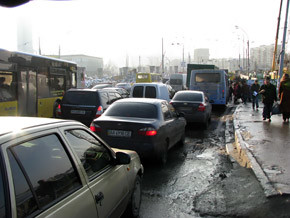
112	29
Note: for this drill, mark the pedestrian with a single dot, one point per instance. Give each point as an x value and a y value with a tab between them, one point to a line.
255	94
244	91
269	95
237	91
284	96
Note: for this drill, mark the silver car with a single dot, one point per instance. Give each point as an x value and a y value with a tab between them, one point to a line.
59	168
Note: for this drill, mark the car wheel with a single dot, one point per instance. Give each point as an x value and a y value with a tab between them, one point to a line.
164	154
182	139
133	207
206	124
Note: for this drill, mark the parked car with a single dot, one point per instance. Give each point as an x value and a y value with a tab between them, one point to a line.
149	126
85	105
194	105
123	92
126	86
150	90
59	168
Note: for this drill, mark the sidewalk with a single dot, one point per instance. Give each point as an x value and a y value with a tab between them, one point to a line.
265	146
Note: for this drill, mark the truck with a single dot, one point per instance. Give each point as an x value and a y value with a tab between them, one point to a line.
177	81
191	67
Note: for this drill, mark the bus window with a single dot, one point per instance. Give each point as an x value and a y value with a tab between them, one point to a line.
42	86
207	77
6	87
57	85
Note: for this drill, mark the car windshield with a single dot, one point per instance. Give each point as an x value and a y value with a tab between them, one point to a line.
132	109
188	96
81	98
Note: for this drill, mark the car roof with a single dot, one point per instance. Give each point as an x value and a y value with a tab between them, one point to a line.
142	100
149	84
13	124
82	90
189	91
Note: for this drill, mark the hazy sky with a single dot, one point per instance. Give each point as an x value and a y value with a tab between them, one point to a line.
113	29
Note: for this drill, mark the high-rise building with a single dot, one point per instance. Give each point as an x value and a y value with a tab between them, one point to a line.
262	57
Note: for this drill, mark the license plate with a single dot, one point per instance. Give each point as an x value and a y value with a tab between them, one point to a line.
77	112
119	133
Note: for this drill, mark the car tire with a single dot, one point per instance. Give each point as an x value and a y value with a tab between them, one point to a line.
134	204
206	124
182	140
164	154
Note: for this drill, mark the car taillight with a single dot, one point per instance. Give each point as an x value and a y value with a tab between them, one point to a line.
149	131
95	128
99	111
58	110
201	107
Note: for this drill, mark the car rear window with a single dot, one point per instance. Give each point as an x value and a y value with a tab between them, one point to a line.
138	92
81	98
150	92
132	109
188	96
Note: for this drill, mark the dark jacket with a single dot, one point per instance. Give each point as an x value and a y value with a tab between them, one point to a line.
269	96
284	95
255	88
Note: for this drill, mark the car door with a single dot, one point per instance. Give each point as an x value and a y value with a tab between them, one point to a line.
169	124
179	123
43	178
108	182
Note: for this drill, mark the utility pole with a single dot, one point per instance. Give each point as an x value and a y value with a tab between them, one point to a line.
276	39
162	58
283	45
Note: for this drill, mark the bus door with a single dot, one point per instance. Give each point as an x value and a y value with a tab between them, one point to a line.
27	103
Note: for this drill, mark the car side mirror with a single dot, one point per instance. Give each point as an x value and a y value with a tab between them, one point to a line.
122	158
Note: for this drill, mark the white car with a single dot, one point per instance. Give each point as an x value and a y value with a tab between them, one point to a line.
60	168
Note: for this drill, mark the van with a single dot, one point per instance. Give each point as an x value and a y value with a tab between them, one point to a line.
150	90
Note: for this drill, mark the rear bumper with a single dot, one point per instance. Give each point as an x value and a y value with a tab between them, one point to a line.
144	149
195	118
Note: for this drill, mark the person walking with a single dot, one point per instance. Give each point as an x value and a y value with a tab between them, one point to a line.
284	96
255	94
269	95
244	91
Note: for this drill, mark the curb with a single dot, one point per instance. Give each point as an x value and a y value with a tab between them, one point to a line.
249	160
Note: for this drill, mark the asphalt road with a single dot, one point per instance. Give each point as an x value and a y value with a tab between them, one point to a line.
201	180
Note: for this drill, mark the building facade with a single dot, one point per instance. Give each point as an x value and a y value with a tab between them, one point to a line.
93	65
201	55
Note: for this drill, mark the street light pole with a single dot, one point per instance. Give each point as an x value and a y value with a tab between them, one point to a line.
162	58
283	44
248	49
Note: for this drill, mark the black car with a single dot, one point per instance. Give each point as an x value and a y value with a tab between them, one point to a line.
194	105
85	105
148	126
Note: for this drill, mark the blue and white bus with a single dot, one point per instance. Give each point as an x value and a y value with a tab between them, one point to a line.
214	83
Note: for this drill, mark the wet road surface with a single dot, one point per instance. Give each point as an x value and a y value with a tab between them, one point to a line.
201	180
